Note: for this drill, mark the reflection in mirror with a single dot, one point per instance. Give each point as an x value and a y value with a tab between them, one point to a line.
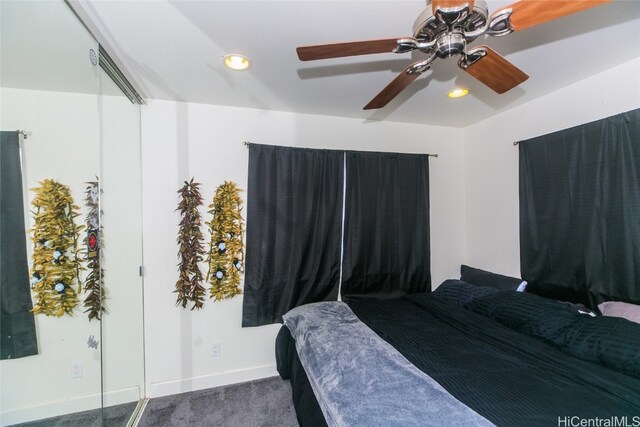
121	202
81	132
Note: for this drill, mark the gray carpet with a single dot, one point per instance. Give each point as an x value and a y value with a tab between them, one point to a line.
266	402
113	416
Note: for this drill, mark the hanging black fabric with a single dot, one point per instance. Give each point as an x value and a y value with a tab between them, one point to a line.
386	242
294	212
17	324
580	211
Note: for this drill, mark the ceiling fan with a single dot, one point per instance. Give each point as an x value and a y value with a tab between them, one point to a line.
446	29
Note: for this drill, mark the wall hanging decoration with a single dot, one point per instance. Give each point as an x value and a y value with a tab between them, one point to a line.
94	303
55	261
226	251
190	247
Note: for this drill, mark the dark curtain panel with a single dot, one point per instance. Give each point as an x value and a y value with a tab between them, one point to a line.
580	211
386	241
17	324
294	213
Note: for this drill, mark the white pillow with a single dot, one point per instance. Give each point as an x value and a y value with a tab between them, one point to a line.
621	309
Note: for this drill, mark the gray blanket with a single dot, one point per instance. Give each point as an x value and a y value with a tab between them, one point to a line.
361	380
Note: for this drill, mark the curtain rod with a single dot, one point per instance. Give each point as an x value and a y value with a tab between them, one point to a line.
247	143
516	142
25	134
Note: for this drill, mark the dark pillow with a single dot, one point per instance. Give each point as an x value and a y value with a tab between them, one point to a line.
560	293
383	295
529	314
612	341
461	293
581	308
478	277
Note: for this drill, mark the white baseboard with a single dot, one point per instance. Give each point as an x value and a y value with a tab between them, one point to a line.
185	385
125	395
67	406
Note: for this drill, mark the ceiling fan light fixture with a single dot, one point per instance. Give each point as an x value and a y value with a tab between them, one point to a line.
457	93
236	62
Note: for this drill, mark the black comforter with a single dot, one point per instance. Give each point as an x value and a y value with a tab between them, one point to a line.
507	377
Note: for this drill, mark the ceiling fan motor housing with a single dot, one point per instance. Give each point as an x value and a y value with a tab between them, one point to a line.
449	28
449	44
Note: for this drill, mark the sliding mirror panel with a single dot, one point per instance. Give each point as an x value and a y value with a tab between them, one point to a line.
79	360
49	80
122	333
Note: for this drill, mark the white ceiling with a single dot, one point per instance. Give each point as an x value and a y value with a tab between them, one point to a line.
174	49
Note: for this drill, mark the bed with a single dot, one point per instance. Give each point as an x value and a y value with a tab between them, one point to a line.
461	355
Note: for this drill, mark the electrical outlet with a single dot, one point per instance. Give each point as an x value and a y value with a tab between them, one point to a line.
216	349
76	369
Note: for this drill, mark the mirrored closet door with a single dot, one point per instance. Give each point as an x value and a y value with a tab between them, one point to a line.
121	222
76	353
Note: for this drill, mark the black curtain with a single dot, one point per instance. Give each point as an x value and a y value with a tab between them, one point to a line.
294	213
17	324
386	242
580	211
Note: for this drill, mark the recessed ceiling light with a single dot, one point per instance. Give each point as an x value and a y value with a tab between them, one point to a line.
236	62
458	93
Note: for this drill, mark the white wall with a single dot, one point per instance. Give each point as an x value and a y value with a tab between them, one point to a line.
491	159
182	140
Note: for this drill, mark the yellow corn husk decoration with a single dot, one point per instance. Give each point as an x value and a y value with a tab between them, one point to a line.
226	250
55	261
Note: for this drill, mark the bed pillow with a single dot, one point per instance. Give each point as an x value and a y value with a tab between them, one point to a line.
478	277
561	293
529	314
620	309
461	293
612	341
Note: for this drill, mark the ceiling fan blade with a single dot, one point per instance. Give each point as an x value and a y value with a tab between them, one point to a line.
396	86
492	69
445	4
528	13
338	50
